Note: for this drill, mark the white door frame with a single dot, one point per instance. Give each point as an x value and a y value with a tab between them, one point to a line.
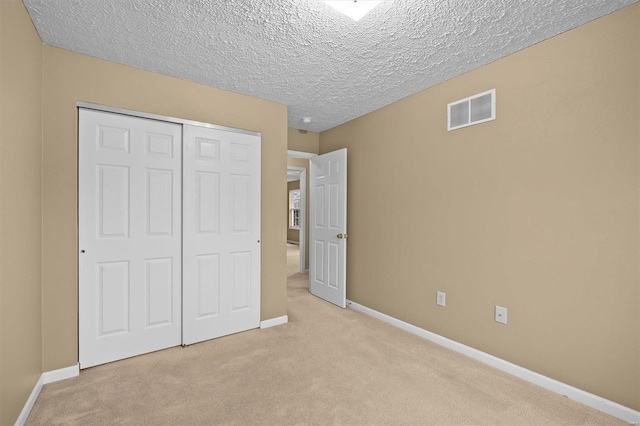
303	200
166	118
303	221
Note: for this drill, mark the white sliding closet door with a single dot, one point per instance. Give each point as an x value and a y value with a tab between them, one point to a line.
221	233
129	209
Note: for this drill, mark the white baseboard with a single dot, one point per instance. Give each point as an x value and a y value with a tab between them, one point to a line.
612	408
61	374
274	321
26	410
46	377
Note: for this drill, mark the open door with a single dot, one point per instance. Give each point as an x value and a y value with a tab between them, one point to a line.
328	227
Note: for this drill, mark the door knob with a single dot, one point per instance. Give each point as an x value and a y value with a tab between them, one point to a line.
341	236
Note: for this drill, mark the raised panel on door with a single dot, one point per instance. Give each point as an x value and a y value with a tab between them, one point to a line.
333	265
159	202
240	281
221	233
129	219
319	262
240	153
113	201
112	298
241	210
333	207
207	285
111	138
207	198
319	207
328	226
207	149
158	145
159	286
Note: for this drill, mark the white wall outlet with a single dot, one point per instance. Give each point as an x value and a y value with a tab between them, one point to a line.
441	298
501	314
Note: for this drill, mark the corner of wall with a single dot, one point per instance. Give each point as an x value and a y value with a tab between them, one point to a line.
302	140
21	109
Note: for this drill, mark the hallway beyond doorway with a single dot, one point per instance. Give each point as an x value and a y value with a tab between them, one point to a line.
293	259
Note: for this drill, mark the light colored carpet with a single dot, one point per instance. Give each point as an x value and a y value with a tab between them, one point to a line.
326	366
293	259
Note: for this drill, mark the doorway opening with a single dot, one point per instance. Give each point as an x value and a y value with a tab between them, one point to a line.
297	213
298	172
323	232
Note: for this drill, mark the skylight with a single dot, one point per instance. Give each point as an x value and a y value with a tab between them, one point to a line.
354	9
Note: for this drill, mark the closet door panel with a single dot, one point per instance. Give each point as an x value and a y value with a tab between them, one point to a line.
221	233
129	219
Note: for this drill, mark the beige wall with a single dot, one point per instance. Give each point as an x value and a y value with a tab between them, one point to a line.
71	77
292	234
21	208
537	211
303	141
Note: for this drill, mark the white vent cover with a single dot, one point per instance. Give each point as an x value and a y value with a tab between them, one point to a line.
472	110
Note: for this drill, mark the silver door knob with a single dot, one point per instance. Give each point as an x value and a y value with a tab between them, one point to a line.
342	236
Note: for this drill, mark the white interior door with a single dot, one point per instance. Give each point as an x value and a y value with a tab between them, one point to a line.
328	227
129	218
221	233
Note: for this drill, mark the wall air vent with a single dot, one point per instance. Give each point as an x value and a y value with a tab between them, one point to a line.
472	110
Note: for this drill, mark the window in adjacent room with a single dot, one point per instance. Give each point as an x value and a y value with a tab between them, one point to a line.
294	209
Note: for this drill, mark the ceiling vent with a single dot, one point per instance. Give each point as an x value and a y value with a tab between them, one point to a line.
472	110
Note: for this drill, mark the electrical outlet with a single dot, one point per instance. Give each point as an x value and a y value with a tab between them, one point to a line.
501	314
441	298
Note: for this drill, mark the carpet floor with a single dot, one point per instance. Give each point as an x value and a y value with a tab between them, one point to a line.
326	366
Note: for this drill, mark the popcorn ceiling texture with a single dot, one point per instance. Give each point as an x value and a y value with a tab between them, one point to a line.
305	54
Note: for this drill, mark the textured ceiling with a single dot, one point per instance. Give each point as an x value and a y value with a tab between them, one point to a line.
305	54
